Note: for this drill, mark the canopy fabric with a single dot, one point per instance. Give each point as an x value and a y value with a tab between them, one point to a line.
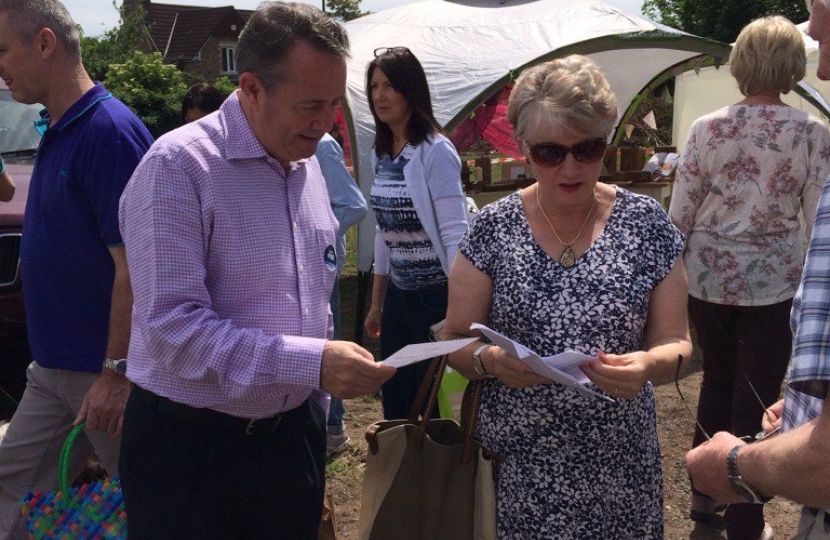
709	89
471	50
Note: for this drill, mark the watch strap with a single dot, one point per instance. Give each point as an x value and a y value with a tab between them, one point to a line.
740	487
478	363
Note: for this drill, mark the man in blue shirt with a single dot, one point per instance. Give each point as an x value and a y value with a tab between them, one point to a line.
349	208
76	287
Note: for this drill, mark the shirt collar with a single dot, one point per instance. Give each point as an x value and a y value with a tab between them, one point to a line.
241	141
92	97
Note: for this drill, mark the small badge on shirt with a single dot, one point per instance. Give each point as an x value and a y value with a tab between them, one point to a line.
330	258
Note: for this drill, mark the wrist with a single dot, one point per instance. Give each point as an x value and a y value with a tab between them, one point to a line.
2	165
114	366
478	361
739	484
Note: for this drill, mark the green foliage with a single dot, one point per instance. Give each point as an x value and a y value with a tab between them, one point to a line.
151	88
225	85
115	46
344	9
721	20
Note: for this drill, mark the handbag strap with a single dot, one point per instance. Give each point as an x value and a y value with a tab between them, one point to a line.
66	452
470	406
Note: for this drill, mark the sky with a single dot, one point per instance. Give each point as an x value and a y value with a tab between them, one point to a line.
98	16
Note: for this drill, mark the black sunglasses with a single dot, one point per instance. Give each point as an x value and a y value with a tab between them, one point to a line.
548	154
380	51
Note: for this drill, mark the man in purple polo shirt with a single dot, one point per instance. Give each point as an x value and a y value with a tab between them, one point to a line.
75	281
230	242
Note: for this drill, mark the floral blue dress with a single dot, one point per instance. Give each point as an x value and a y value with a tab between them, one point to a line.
574	466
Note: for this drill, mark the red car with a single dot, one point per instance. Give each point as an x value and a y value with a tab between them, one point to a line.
18	146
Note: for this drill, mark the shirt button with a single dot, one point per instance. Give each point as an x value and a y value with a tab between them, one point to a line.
305	311
300	267
296	226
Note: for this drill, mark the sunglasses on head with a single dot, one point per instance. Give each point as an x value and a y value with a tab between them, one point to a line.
548	154
380	51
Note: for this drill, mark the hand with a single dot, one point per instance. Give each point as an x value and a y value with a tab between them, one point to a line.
511	371
372	323
620	375
103	404
706	466
348	370
772	417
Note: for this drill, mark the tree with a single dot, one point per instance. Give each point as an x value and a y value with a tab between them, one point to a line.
115	46
344	9
151	88
721	20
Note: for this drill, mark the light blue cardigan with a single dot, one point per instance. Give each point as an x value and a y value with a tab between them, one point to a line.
433	180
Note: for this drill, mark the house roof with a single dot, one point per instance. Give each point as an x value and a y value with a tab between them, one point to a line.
179	32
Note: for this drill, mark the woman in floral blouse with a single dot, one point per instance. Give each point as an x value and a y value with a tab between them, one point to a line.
745	173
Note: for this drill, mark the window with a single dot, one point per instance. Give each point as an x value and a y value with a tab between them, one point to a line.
228	58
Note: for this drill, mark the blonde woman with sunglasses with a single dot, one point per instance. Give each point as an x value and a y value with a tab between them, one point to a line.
571	264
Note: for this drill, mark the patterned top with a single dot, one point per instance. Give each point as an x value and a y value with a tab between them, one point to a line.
809	377
570	464
413	263
744	174
232	262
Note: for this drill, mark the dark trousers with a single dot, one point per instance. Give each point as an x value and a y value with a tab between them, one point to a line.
407	316
740	343
183	480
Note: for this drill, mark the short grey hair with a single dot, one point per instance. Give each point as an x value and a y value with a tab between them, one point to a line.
768	56
274	27
570	94
28	17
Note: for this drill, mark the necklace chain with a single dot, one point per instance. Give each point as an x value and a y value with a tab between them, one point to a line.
568	258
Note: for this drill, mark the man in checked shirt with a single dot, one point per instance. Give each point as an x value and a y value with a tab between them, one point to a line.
230	244
796	463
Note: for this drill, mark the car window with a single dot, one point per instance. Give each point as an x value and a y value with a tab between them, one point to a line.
17	129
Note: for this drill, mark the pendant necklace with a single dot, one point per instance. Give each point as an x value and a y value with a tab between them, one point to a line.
568	257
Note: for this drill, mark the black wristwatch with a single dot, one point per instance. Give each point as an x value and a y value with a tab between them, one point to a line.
743	489
478	365
118	365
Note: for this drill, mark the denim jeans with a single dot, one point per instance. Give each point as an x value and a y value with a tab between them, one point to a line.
407	316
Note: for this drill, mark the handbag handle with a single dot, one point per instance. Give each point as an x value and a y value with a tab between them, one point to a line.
427	399
66	452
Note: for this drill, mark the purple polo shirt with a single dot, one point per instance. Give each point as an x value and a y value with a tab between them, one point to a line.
232	264
83	163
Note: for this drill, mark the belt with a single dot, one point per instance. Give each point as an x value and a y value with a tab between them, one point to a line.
209	417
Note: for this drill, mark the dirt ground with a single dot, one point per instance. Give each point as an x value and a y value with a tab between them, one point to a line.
676	427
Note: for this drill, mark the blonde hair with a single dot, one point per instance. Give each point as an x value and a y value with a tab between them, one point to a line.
768	56
570	94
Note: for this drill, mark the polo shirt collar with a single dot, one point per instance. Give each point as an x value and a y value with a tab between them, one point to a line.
241	141
92	97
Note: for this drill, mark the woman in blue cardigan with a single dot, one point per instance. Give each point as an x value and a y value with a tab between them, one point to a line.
420	208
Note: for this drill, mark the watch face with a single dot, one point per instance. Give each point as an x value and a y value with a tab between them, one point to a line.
118	366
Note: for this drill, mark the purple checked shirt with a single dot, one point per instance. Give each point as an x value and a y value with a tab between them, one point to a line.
232	263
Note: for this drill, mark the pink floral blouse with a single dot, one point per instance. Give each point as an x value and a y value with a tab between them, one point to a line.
743	176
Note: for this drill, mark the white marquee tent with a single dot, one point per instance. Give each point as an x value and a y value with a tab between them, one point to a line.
471	48
699	93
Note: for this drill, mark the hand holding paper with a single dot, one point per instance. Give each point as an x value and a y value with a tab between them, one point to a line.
563	368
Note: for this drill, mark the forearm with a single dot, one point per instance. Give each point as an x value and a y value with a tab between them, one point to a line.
665	356
379	284
6	187
118	340
770	468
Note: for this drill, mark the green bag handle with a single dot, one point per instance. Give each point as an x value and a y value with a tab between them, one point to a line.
66	452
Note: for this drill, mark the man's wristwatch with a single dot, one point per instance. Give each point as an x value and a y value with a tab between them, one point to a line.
478	365
118	365
743	489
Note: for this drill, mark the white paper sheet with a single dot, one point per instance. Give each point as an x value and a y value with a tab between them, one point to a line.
424	351
562	368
